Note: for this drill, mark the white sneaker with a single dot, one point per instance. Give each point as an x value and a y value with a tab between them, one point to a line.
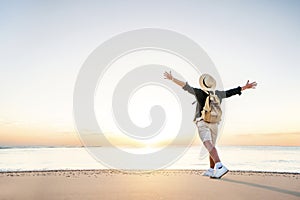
209	172
219	172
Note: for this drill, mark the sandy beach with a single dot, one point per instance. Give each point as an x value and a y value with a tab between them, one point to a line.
164	184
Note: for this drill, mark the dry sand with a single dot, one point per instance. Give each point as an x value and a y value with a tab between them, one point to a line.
165	184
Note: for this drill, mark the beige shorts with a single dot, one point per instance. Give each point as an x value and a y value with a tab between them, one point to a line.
207	131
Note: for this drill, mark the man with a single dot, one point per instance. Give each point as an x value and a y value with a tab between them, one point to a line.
208	131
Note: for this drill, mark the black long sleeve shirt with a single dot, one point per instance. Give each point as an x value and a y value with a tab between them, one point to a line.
201	96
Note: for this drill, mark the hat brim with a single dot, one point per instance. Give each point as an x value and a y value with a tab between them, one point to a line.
203	86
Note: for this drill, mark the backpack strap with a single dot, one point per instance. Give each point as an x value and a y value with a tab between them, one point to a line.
206	104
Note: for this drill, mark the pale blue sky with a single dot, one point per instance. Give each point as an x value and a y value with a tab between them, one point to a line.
44	43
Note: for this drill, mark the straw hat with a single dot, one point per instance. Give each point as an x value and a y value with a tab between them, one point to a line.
207	82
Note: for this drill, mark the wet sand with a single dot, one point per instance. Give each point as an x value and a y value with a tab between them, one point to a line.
164	184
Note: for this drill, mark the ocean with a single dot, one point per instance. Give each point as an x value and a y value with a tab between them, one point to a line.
243	158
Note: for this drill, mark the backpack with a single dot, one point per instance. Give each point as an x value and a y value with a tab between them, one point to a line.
212	111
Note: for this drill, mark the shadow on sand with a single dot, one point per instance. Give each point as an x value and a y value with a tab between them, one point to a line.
275	189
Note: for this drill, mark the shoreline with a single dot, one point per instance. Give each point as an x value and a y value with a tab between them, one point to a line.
146	171
160	184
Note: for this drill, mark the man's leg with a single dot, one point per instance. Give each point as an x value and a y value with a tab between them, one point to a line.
211	162
208	133
220	169
210	171
212	151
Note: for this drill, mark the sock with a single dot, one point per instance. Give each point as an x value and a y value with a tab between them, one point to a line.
218	165
211	169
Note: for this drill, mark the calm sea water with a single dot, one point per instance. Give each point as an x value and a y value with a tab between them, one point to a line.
254	158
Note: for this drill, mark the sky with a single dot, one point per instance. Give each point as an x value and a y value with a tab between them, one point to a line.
45	43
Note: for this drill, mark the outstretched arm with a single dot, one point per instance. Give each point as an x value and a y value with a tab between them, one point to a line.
169	76
238	90
185	86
